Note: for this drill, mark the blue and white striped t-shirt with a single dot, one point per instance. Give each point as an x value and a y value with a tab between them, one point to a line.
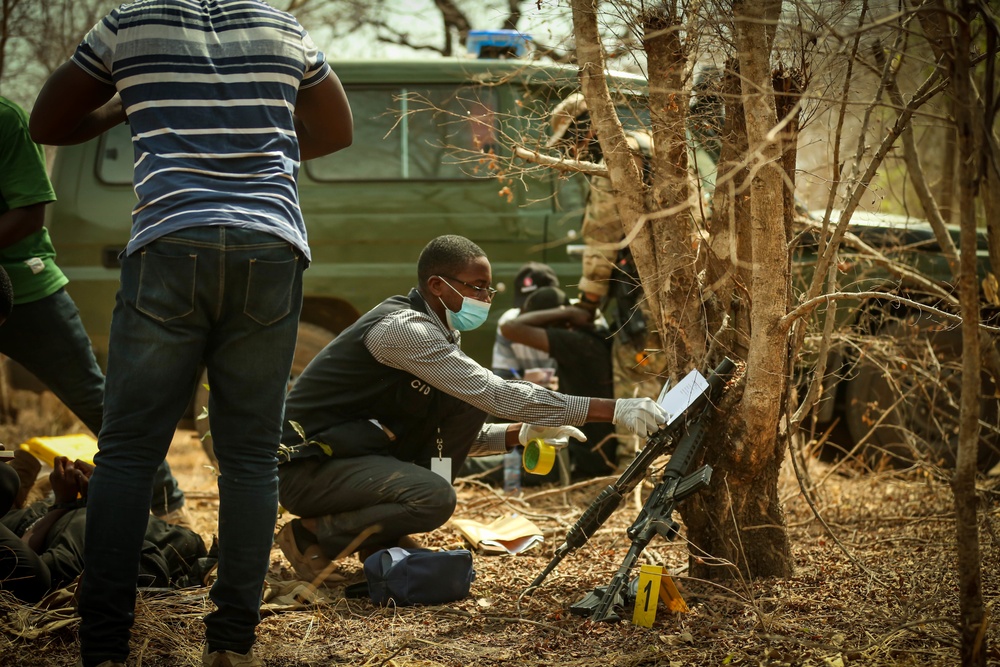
209	87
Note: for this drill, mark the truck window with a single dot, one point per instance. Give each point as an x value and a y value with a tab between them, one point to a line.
428	133
115	156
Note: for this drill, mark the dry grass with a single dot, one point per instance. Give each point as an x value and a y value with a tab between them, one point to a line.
901	609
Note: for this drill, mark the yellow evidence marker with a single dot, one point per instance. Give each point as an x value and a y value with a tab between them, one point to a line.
654	586
647	596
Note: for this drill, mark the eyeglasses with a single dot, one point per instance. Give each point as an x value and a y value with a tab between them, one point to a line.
481	292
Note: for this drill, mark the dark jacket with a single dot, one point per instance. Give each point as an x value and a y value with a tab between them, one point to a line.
345	387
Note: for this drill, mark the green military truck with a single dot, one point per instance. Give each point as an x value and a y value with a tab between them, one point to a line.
894	372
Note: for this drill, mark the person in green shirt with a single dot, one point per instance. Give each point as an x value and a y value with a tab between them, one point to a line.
44	332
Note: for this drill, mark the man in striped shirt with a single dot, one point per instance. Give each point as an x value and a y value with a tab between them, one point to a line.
224	99
383	417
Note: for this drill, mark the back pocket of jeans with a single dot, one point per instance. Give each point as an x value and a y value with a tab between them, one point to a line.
166	285
269	290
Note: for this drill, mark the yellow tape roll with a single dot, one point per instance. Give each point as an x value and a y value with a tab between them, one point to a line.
539	457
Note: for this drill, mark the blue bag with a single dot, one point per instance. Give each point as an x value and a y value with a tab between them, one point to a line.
418	576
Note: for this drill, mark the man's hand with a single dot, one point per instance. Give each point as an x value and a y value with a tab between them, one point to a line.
580	317
557	436
67	481
642	416
86	471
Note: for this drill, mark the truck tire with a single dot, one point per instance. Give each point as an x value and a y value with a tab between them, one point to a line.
911	412
311	339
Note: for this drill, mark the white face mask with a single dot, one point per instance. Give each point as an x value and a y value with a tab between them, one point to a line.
470	316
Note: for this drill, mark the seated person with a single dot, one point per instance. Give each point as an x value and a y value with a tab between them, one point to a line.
549	323
41	546
511	359
381	419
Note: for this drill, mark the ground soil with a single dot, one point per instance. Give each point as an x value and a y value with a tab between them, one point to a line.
875	585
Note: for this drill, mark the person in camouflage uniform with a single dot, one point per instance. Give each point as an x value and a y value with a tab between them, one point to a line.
610	282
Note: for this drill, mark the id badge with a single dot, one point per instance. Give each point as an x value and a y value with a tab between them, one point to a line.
441	465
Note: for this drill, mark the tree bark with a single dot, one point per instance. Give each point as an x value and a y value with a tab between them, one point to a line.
934	21
787	93
626	179
730	205
946	186
729	224
973	631
915	172
745	525
674	289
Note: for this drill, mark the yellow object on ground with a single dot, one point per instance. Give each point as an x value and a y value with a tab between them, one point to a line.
671	596
647	595
78	446
655	585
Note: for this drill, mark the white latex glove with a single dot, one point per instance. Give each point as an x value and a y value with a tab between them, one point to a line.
642	416
557	436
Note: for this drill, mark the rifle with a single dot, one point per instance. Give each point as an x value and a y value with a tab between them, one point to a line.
697	397
655	518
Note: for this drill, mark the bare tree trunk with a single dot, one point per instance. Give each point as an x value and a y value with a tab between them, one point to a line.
937	32
915	172
973	629
729	223
990	162
938	35
946	187
990	191
674	290
944	46
788	91
749	527
514	15
626	179
731	210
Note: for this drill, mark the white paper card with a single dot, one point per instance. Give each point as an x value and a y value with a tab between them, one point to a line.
441	466
682	395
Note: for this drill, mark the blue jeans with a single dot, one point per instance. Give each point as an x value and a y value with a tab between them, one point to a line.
47	338
229	298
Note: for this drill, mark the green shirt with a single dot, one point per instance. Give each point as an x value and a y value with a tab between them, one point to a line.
30	262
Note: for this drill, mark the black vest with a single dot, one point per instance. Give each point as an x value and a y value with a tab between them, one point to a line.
345	386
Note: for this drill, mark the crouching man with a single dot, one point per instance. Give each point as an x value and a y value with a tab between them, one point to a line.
379	422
